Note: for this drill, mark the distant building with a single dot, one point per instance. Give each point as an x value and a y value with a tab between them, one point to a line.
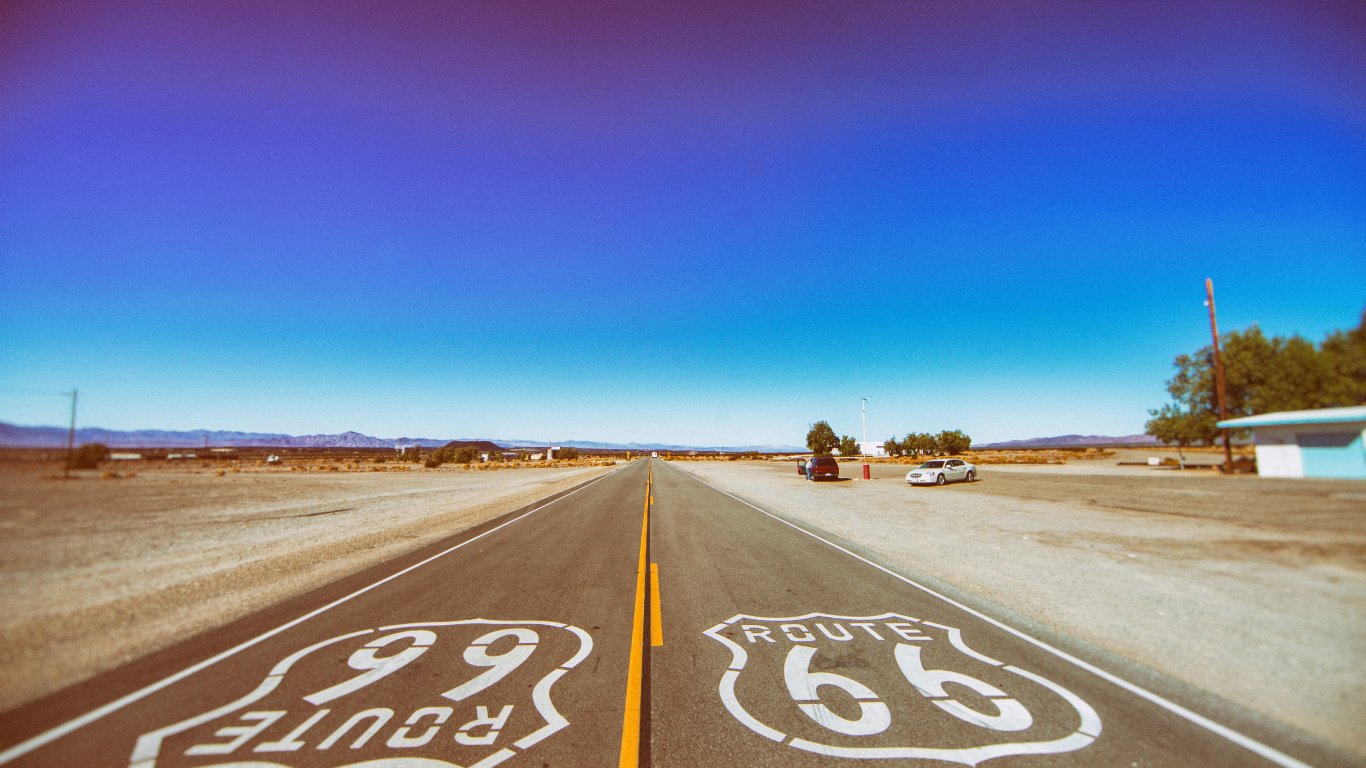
870	448
1325	442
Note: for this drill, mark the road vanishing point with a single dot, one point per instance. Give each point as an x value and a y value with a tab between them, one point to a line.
641	618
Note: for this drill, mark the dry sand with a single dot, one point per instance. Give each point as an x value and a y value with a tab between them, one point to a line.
97	572
1251	588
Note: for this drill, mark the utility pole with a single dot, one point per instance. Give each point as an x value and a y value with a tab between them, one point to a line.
70	435
1219	392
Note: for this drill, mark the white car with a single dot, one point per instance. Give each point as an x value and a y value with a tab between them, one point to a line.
941	471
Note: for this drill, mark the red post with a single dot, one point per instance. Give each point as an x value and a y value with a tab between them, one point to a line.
866	475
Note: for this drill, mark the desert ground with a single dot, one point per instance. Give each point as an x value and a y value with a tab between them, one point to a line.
99	570
1251	588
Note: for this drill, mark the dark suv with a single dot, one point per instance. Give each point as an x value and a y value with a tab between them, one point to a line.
823	466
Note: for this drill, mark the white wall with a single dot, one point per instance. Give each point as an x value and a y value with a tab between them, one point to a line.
1278	455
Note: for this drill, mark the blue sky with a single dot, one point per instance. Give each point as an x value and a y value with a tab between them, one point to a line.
701	225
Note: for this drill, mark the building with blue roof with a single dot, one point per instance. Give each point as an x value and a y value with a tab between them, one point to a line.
1325	442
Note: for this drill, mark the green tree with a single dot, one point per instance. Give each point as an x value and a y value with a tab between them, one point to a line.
568	454
921	443
1344	366
1172	425
848	446
1261	375
821	439
953	442
891	446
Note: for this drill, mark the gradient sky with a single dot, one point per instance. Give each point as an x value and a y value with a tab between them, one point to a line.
680	222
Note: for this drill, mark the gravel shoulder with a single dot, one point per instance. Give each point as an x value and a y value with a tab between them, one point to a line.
95	573
1251	588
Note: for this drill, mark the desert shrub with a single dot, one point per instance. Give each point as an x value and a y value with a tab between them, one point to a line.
433	462
568	454
454	454
461	455
89	455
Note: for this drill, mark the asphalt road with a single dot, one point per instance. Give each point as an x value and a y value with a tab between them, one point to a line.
593	628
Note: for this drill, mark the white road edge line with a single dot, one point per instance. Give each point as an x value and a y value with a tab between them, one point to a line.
1247	742
51	735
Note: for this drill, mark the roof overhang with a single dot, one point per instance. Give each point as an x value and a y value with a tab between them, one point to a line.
1286	418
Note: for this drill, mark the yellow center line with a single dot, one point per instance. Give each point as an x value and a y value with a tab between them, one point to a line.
630	729
656	627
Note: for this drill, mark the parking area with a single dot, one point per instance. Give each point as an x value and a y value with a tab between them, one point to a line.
1251	588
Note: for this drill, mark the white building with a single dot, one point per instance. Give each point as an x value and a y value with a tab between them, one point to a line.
1324	442
870	448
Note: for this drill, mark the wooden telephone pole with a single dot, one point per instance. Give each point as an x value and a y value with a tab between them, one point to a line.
1220	395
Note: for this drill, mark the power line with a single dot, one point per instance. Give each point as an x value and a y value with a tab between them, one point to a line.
46	393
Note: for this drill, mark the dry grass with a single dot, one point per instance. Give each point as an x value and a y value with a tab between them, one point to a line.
96	572
1038	457
1059	456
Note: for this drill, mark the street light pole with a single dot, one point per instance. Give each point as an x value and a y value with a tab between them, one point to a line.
1220	395
70	435
865	418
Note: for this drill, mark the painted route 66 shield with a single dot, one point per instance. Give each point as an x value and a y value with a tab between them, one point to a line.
891	686
438	695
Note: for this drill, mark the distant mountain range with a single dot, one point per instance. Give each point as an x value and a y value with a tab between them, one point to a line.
1071	440
15	436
